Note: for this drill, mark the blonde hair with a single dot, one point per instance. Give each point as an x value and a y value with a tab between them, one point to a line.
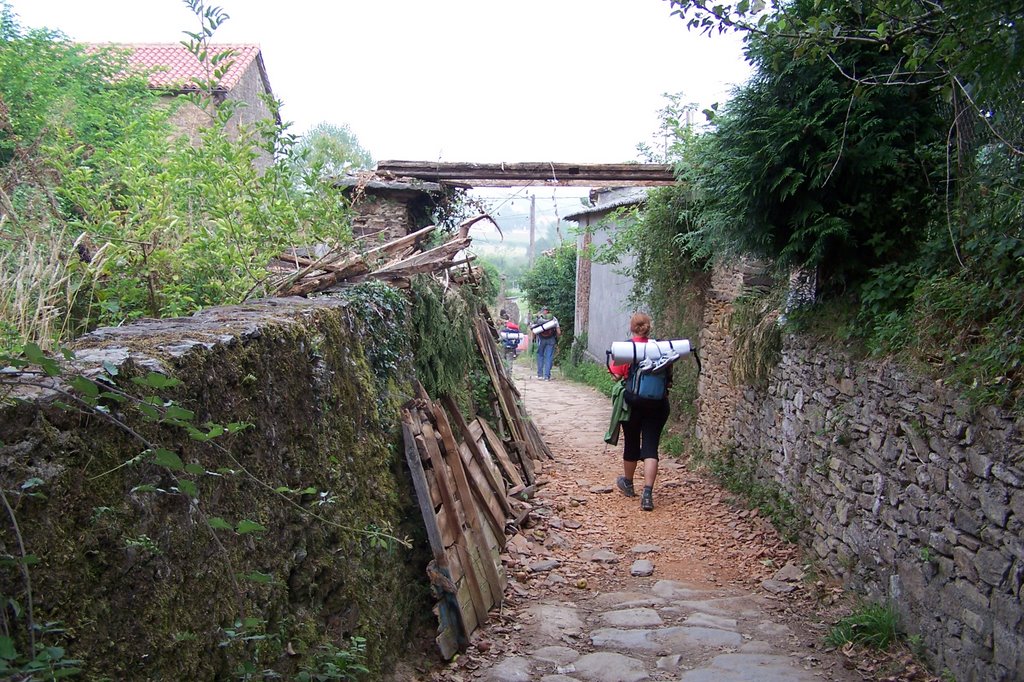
640	324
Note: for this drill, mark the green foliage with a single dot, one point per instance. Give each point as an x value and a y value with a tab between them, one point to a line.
665	262
673	444
976	42
808	168
384	320
444	351
331	663
879	142
552	282
487	288
125	219
872	625
328	150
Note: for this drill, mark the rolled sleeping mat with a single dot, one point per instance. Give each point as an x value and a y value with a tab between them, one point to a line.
546	326
507	335
623	352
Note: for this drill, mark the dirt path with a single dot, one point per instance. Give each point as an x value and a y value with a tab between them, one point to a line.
581	604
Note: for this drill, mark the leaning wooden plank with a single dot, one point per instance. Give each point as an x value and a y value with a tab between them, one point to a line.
465	595
452	636
438	254
498	449
495	545
518	448
483	554
486	498
530	427
471	441
469	502
448	522
336	273
493	365
489	462
452	508
400	244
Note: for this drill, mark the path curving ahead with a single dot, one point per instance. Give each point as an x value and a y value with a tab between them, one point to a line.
600	591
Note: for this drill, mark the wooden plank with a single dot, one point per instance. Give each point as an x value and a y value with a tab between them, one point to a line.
401	244
498	449
452	636
449	526
530	427
469	504
467	610
467	434
490	464
520	451
523	173
486	497
495	369
435	494
444	485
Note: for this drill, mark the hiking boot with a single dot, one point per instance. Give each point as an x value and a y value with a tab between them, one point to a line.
625	486
647	499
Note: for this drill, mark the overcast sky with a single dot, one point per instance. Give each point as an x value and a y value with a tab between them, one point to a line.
451	80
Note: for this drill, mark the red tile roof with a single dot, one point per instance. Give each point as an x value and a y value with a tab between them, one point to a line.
172	66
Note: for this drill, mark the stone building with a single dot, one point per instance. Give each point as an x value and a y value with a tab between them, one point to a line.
386	209
172	70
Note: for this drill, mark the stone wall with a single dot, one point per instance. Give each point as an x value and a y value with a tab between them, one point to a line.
910	495
382	218
717	394
143	567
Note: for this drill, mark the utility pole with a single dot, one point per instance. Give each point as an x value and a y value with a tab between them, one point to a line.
533	225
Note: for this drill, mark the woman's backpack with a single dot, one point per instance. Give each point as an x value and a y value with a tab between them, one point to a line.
644	383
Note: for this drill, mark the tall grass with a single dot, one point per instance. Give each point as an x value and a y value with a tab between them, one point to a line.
41	275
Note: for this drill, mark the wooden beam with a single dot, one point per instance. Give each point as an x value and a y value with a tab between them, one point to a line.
549	173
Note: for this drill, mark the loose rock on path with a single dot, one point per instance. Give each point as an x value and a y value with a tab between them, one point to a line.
600	591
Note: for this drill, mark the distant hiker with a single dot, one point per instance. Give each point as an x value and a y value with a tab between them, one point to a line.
647	417
511	337
545	331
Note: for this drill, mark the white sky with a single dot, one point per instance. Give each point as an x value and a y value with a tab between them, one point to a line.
452	80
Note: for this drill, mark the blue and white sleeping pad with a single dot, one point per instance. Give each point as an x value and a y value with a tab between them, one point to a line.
648	364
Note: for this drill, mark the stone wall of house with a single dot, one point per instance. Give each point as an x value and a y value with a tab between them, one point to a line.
909	494
382	218
249	91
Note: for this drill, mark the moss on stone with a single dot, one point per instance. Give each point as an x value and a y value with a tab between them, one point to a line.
141	585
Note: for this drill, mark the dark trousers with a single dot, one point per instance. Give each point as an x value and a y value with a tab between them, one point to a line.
642	432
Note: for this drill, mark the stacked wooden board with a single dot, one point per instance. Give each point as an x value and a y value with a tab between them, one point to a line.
471	480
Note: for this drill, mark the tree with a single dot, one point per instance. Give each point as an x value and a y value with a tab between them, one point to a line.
552	282
971	44
329	150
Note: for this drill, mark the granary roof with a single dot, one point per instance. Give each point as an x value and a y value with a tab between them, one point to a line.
387	184
617	200
172	66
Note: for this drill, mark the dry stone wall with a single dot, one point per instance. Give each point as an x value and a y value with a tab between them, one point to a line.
138	579
910	495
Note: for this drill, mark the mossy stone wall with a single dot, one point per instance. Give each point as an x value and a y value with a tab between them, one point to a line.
137	583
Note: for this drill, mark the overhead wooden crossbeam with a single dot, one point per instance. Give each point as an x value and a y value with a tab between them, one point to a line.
533	173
